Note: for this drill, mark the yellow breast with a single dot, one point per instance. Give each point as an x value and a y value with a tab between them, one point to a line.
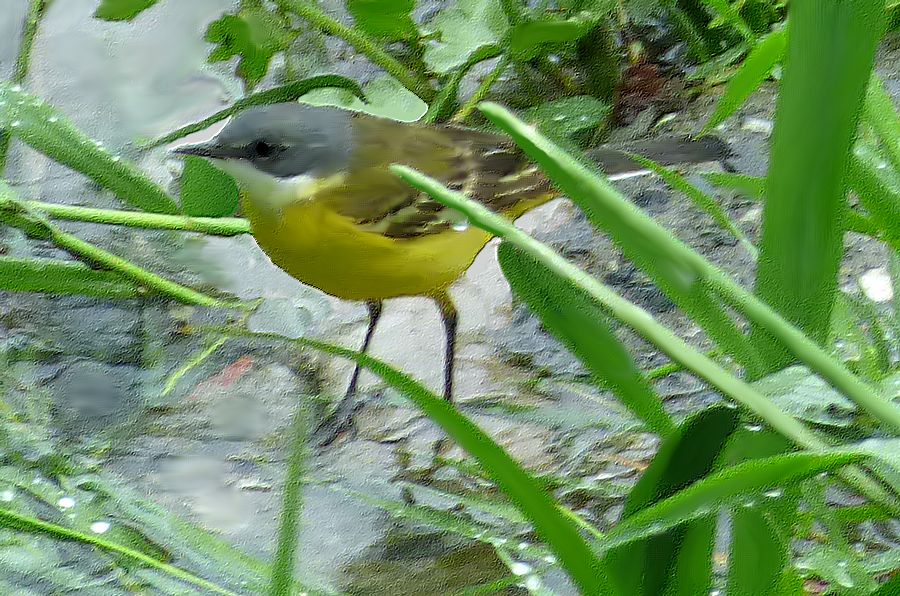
328	251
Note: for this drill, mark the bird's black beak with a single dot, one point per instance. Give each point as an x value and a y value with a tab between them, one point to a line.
208	149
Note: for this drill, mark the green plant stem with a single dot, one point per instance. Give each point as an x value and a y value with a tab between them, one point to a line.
291	504
309	11
35	13
214	226
16	214
482	91
644	324
31	525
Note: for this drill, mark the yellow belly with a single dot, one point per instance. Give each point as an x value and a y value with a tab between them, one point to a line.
326	250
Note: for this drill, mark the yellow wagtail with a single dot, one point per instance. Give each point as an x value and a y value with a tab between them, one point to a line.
324	207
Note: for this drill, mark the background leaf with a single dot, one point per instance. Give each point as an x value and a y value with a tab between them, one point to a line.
255	35
564	118
388	20
462	30
122	10
207	191
530	39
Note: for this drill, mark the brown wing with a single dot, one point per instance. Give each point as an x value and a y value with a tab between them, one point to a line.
485	167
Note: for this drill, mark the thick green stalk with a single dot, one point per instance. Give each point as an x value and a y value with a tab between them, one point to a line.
830	45
214	226
359	40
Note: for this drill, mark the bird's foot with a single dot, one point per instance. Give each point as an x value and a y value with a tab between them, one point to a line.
338	425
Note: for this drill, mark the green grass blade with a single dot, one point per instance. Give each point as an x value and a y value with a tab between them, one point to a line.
724	489
43	128
580	323
289	92
688	271
752	187
554	527
291	507
672	266
685	456
49	276
670	344
882	117
23	523
878	190
703	201
831	43
755	69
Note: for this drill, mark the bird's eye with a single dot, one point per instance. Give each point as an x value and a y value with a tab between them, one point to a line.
264	149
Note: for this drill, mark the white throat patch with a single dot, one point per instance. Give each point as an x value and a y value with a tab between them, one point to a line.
264	190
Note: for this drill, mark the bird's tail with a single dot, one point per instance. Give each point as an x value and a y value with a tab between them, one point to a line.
667	151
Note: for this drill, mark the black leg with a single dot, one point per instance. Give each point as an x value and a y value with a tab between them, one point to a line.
342	418
448	314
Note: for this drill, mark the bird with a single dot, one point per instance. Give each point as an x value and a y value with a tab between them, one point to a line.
323	205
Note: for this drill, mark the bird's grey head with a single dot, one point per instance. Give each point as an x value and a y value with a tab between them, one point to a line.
282	140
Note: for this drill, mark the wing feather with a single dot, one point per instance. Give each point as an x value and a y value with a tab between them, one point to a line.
487	168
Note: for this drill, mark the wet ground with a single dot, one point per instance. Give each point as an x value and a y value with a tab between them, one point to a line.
211	449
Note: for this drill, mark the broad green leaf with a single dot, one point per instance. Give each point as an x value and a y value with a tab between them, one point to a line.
755	69
207	191
388	20
39	125
799	392
122	10
564	118
462	30
725	488
385	96
557	529
685	456
886	457
283	93
530	39
580	323
45	275
761	527
758	557
802	239
255	35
